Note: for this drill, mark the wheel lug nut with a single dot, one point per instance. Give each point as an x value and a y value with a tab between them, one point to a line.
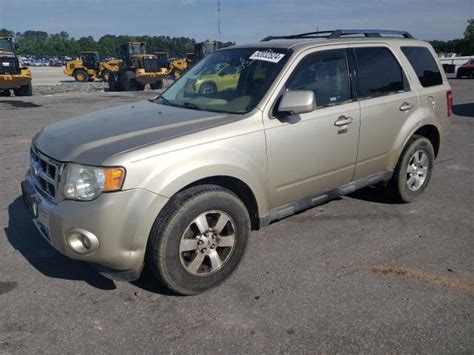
204	250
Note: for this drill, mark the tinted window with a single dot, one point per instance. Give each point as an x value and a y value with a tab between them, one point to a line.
326	74
424	65
378	72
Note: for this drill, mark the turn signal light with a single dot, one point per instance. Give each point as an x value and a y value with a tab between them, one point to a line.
114	178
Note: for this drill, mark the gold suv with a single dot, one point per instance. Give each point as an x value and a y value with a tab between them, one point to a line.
178	182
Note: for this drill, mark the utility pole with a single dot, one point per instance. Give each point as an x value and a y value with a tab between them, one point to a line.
219	19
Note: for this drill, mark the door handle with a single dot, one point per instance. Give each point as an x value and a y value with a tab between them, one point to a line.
343	121
406	106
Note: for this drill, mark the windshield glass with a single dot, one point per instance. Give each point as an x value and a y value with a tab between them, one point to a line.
6	45
230	80
137	48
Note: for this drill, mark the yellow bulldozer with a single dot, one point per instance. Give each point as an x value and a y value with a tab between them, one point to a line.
13	74
137	69
89	67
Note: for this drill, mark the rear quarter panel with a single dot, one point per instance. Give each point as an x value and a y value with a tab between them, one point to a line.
432	104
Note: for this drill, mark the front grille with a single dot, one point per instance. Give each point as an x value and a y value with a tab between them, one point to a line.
45	172
150	64
9	65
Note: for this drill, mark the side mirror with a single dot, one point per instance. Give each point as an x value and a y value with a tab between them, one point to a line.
297	101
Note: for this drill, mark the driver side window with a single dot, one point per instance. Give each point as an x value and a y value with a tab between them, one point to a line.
326	74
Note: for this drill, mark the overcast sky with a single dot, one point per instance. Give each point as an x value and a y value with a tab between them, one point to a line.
241	20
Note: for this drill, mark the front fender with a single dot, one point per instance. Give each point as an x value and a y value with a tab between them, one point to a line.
241	157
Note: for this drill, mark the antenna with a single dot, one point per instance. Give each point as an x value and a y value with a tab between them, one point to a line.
219	19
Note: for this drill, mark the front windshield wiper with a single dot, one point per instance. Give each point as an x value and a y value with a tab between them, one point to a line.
192	106
164	100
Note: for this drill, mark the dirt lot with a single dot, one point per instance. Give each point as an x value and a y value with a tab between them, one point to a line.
358	274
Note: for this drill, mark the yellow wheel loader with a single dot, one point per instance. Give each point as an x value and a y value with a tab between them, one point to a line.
176	67
89	67
13	74
137	69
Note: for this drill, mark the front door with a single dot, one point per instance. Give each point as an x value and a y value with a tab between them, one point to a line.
315	151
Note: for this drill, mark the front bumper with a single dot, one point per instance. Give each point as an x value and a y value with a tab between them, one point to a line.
121	221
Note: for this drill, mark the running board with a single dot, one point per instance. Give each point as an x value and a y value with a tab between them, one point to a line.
318	199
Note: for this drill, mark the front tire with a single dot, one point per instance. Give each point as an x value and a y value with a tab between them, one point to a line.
24	90
81	76
198	239
156	86
208	88
114	82
128	81
106	75
413	171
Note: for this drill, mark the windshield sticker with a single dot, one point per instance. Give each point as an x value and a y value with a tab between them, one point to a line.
267	56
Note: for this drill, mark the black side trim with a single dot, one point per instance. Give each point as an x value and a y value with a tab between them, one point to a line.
320	198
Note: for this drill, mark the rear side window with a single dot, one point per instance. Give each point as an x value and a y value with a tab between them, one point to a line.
424	65
326	74
378	73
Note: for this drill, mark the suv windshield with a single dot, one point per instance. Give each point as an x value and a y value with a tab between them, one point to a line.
230	80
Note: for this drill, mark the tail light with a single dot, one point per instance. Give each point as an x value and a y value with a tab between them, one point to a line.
449	102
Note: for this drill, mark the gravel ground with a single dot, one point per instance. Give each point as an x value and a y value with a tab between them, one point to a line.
68	87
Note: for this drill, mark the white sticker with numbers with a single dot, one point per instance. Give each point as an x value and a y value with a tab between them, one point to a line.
267	56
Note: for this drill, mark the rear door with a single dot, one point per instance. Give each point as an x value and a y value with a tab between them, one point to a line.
386	102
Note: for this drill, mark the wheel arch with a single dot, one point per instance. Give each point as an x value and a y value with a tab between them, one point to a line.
432	133
428	130
207	82
236	186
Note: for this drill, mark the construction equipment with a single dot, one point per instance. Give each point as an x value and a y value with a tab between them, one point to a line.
89	67
13	74
137	69
176	67
205	48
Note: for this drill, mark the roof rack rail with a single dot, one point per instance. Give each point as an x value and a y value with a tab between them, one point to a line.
341	33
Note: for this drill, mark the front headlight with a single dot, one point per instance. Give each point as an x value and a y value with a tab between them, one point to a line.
85	183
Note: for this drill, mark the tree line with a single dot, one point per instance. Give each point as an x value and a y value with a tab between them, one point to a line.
461	46
40	43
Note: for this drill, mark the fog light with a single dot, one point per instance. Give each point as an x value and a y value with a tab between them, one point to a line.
82	242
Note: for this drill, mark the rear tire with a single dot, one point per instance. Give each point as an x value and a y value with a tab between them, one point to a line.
5	93
158	85
413	171
24	90
198	239
81	76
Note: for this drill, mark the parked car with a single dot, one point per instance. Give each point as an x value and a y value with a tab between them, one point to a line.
179	181
218	79
466	70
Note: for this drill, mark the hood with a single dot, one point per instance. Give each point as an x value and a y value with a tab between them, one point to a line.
93	138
